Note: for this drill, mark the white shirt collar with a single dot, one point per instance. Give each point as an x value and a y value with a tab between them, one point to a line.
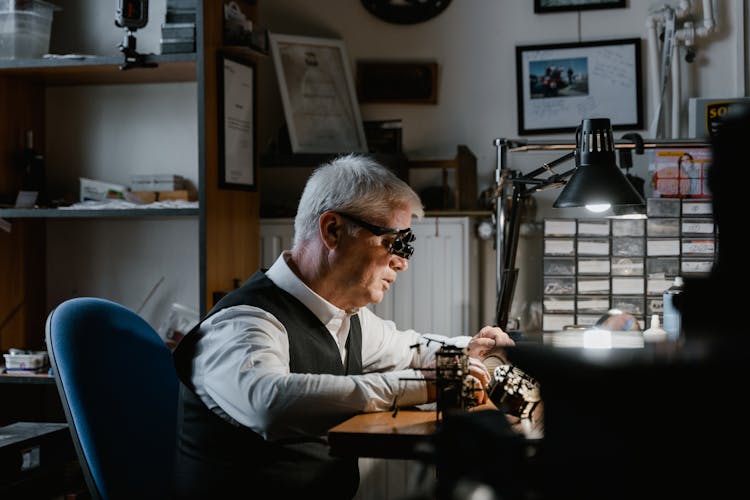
283	277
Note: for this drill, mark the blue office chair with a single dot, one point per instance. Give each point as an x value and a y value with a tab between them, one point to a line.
119	392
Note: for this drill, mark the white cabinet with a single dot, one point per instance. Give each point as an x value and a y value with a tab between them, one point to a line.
433	294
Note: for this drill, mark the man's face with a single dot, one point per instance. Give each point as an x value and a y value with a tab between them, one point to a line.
365	267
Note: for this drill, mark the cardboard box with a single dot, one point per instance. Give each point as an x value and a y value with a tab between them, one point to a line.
156	182
143	197
93	190
180	194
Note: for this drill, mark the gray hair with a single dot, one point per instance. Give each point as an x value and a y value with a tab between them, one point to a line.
355	184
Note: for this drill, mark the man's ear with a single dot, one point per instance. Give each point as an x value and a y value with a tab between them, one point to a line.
331	227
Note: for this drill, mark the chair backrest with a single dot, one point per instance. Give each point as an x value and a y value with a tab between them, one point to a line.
119	389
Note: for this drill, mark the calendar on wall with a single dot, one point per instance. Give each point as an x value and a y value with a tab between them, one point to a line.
592	265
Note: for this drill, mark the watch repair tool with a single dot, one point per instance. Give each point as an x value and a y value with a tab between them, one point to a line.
513	391
455	390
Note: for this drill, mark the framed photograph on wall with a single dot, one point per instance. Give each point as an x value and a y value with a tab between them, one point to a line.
544	6
237	116
559	85
317	91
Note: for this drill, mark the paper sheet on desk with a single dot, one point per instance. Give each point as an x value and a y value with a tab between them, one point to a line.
122	204
68	56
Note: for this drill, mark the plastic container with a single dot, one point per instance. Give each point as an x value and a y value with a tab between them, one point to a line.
180	321
26	361
672	318
655	333
25	27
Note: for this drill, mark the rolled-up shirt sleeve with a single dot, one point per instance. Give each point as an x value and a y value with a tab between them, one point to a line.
241	370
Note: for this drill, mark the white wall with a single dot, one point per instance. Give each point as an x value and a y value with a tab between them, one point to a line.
473	41
108	133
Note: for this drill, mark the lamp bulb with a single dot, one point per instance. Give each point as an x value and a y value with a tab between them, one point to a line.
598	207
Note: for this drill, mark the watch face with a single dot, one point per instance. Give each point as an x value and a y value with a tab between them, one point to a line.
405	11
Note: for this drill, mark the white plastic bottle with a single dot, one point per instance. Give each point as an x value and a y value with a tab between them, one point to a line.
672	318
655	333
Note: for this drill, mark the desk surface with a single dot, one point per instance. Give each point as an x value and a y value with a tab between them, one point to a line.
407	435
383	435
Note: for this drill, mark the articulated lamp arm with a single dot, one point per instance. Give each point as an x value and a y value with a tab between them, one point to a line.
512	189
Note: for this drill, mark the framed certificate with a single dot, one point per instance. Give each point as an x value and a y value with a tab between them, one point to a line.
237	116
317	90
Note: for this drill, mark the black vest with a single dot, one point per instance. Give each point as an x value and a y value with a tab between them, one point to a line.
215	457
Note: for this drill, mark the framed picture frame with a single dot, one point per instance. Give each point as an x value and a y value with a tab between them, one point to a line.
545	6
561	84
403	82
317	92
237	116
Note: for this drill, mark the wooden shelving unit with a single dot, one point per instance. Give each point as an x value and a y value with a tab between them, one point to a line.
61	213
228	219
101	70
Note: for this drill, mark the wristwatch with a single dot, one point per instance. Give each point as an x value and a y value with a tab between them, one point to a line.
405	11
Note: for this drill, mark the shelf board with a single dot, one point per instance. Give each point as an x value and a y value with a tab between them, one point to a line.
458	213
102	70
115	213
316	159
25	378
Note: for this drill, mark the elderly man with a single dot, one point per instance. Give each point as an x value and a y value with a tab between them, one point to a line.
294	350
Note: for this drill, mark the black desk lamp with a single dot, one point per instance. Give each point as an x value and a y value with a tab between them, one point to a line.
596	182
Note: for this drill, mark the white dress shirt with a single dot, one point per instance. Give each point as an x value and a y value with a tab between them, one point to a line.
241	367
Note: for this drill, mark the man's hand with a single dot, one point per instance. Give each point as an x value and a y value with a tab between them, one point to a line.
489	340
479	378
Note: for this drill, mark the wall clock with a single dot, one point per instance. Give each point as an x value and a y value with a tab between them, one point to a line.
405	11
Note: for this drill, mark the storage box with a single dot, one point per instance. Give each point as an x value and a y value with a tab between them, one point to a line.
178	195
141	197
33	452
177	46
156	182
25	27
93	190
36	361
186	31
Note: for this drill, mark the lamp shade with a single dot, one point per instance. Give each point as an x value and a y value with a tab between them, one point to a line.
597	178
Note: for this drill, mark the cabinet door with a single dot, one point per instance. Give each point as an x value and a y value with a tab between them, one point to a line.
432	296
276	235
